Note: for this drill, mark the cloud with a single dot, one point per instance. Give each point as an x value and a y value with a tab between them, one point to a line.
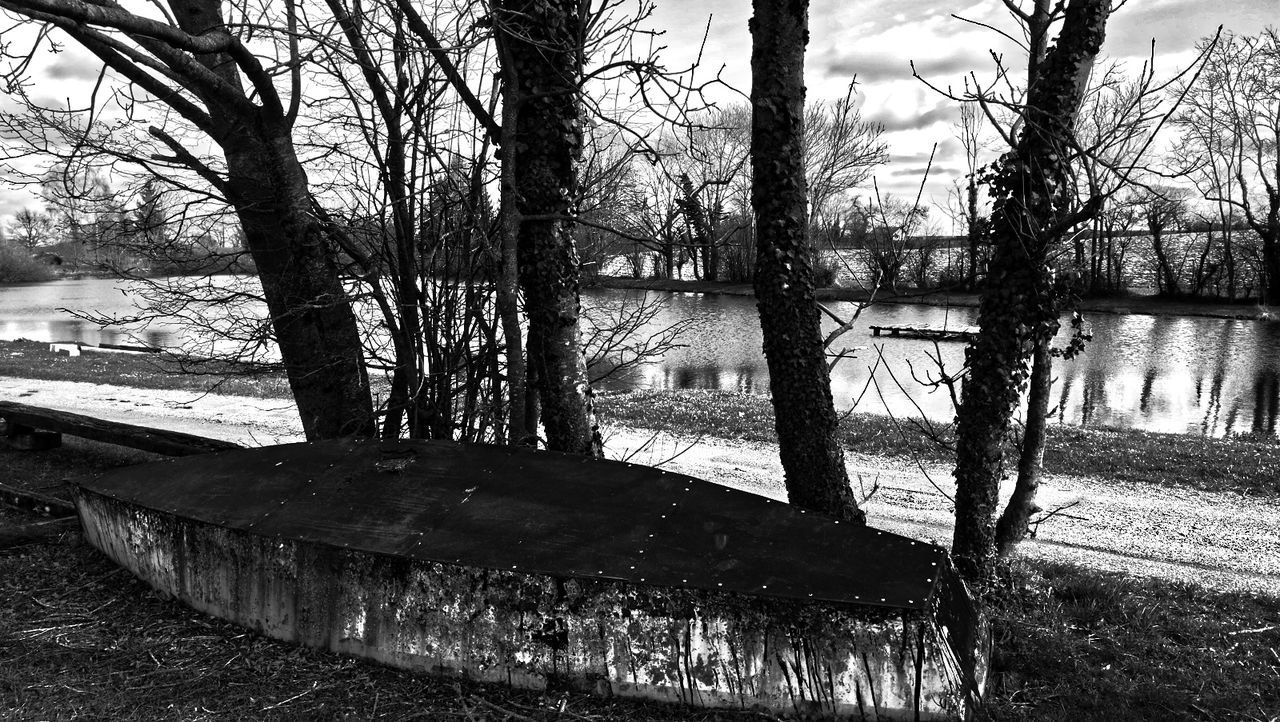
936	171
941	113
13	200
873	67
68	67
1177	25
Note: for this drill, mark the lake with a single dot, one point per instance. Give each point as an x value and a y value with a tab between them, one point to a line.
1158	373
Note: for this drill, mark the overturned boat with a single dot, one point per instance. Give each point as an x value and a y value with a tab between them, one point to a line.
544	570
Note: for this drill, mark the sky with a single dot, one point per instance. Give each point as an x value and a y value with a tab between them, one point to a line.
876	40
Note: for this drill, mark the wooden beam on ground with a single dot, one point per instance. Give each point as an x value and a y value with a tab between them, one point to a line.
35	501
12	536
159	441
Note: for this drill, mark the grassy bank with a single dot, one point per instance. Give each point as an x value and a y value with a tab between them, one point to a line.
1076	644
1245	466
34	360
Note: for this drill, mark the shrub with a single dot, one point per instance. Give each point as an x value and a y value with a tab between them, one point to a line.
826	268
17	266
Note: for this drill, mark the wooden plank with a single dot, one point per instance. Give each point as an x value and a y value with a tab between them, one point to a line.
128	347
160	441
964	333
35	501
17	535
17	436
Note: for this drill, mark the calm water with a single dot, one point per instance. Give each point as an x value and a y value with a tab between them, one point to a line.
1158	373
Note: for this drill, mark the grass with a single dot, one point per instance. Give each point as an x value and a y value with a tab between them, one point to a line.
85	639
34	360
1238	465
1076	644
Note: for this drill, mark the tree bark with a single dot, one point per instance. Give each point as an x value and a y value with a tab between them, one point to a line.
811	455
310	311
1167	278
519	431
1017	311
541	44
1270	234
974	232
1015	521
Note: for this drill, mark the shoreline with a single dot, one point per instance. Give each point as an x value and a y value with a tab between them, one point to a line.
1231	542
1138	304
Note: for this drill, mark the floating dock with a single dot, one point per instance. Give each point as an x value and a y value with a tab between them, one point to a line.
544	570
931	333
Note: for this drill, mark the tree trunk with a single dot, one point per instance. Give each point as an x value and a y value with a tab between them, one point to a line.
812	459
541	40
1168	279
310	312
507	301
1270	293
974	233
1013	525
1017	310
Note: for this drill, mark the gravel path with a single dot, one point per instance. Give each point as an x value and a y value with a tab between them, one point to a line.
1215	539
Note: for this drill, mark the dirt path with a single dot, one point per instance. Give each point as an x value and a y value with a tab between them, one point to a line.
1221	540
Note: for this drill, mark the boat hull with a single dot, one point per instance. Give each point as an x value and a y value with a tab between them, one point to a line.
545	628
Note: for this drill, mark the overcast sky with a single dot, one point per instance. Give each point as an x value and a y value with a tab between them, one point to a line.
876	40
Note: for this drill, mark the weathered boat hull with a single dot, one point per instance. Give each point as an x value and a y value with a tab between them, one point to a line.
523	623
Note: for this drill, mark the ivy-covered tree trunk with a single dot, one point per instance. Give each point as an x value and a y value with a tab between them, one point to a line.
1016	519
1018	311
812	459
541	55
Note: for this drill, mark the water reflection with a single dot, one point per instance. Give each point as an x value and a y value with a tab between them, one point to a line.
743	379
1168	374
74	330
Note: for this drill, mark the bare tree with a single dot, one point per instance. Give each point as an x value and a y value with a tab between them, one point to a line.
32	228
841	150
969	131
1230	135
197	64
1161	208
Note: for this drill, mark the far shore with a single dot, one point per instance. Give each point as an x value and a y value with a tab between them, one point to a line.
1132	303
